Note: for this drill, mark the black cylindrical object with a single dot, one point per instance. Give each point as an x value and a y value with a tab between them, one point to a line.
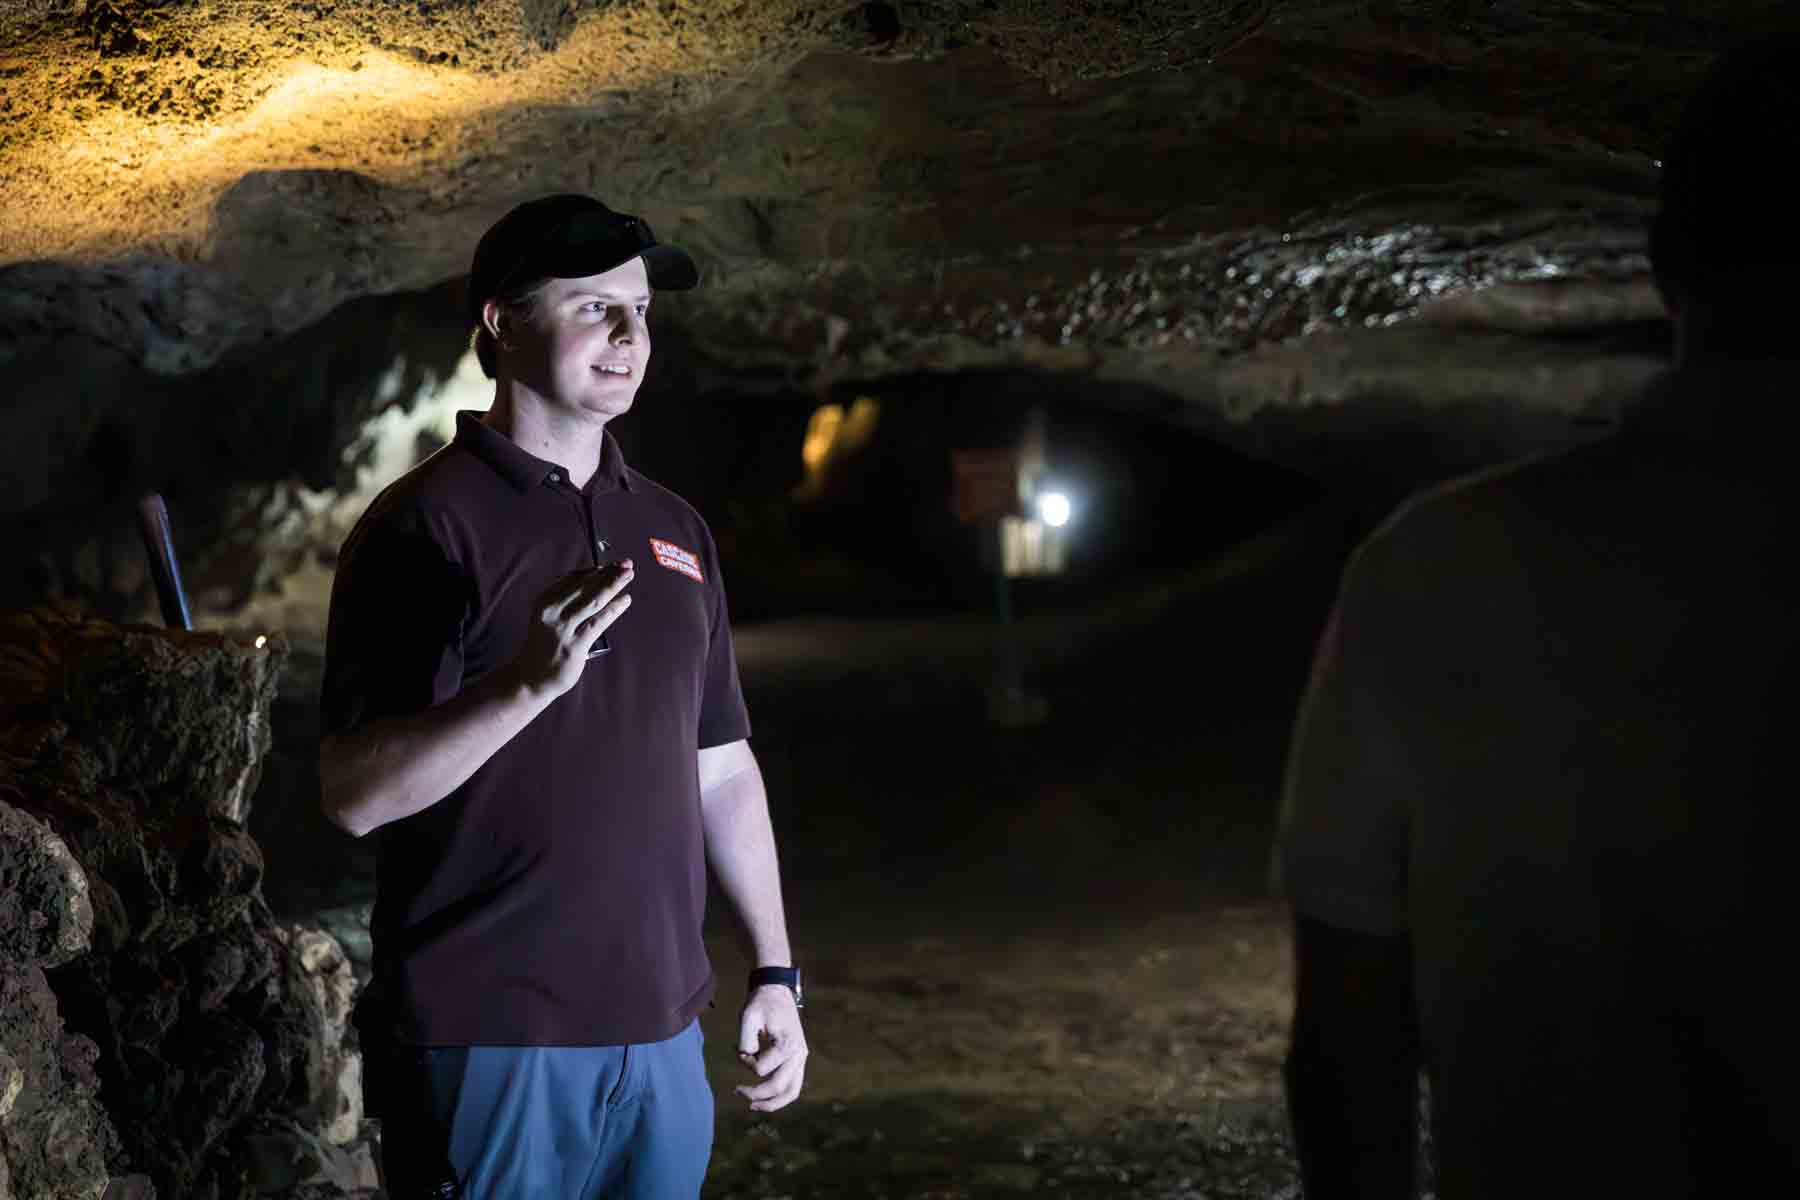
159	543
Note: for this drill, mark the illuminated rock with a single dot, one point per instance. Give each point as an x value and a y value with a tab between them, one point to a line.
228	225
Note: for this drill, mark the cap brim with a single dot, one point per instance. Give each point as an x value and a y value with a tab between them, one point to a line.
669	267
589	244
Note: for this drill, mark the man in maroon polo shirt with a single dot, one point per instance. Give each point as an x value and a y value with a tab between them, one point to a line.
546	775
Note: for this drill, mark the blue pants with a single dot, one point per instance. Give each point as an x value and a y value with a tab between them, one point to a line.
576	1122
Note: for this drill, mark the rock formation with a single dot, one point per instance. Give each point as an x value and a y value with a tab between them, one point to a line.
55	1138
156	1020
1398	237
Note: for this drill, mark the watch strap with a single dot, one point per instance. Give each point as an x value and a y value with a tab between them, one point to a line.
787	977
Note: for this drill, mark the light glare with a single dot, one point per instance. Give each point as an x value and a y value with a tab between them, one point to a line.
1054	508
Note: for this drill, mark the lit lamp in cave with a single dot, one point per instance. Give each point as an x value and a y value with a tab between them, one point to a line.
1025	520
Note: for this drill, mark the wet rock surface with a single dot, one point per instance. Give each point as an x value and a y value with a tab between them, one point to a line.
200	1034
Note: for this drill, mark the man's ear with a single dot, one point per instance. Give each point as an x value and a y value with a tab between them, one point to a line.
494	318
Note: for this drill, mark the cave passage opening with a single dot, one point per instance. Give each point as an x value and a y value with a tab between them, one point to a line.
840	502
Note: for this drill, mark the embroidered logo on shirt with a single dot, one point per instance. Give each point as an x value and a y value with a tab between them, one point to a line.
669	555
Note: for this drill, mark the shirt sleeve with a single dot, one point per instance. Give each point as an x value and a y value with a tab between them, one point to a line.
393	642
1342	845
723	715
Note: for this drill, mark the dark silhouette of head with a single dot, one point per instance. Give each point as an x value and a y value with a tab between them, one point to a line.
1723	243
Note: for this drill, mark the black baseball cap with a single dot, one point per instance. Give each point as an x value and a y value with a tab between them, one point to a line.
566	237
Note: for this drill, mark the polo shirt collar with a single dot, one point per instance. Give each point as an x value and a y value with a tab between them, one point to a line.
525	470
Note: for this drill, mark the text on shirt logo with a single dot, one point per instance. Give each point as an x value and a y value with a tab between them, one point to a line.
669	555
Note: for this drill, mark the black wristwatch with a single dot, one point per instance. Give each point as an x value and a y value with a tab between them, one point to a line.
787	977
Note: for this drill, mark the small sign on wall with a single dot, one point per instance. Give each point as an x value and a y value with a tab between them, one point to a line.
985	484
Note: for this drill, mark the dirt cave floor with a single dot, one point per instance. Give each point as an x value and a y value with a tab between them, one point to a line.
1040	960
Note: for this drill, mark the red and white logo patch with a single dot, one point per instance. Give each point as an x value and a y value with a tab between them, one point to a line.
669	555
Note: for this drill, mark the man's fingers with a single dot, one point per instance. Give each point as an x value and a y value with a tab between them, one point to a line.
750	1029
589	631
590	580
761	1064
598	589
773	1055
606	582
560	595
779	1089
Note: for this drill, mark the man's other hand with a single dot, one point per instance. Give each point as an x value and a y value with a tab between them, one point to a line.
771	1044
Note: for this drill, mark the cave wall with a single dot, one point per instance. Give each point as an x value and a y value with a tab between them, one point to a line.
1379	241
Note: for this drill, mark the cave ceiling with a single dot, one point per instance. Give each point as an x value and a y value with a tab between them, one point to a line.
1276	214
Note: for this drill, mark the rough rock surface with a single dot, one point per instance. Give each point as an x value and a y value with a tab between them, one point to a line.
54	1135
212	1035
235	229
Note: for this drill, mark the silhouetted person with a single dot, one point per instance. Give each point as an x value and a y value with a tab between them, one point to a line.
1540	808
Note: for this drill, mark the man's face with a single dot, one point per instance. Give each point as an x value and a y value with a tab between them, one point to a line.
587	341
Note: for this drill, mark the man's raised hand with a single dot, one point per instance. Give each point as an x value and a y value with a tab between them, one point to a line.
567	620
